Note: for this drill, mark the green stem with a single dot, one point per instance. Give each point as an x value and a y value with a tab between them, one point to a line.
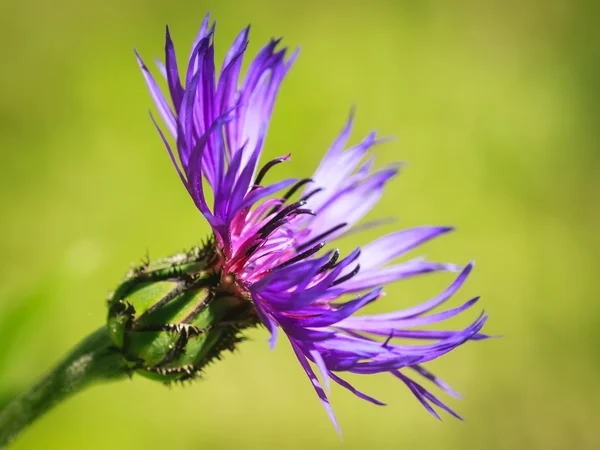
93	360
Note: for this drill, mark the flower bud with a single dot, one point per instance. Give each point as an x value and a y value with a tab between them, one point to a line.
171	317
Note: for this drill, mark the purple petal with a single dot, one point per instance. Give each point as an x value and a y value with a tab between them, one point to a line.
244	180
438	382
347	309
385	249
316	385
158	97
172	72
424	396
227	89
351	204
161	67
265	191
318	360
367	279
355	391
202	33
394	273
334	172
363	322
426	334
267	321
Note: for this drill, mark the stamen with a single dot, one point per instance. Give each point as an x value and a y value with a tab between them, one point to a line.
270	227
387	341
295	187
287	210
322	235
331	263
311	193
277	221
253	248
267	166
304	211
291	192
301	256
346	277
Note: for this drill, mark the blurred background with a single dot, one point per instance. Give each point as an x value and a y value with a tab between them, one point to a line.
495	107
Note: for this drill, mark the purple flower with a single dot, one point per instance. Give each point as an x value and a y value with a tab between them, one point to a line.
272	238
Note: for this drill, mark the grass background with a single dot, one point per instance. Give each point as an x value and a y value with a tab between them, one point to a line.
494	106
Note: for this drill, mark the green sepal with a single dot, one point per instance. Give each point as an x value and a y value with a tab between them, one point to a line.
172	317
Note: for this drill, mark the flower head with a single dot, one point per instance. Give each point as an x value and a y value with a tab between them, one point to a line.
273	240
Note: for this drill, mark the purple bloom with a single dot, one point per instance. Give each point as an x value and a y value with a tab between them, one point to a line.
271	237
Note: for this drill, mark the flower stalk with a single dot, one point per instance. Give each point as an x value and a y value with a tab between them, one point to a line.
94	360
167	320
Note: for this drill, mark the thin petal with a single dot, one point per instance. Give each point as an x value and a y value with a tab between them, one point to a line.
355	391
389	247
318	360
159	99
316	385
438	382
368	279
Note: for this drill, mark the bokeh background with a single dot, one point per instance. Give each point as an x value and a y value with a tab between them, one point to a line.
495	106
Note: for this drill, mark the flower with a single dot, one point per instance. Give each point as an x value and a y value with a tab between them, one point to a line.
271	245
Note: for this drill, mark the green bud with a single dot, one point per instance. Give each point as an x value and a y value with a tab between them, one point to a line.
171	317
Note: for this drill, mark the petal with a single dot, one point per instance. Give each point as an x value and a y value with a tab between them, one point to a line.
424	396
265	191
367	279
411	268
328	318
355	391
316	385
318	360
364	322
172	72
350	204
159	99
438	382
385	249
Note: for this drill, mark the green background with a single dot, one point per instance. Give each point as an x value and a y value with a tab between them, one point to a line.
494	106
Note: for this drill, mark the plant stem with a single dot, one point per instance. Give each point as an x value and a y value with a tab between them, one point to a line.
93	360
